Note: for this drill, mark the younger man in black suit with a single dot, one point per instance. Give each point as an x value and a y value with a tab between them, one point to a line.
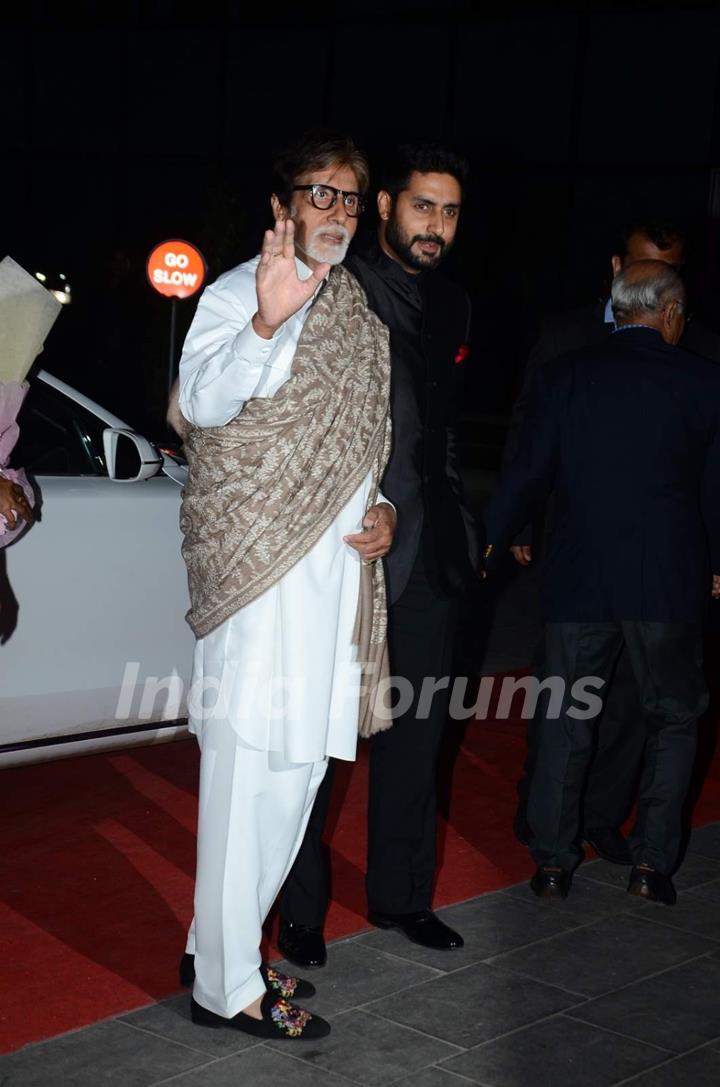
627	434
429	569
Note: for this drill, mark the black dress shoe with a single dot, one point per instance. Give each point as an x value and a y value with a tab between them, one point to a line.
647	883
280	984
609	844
302	945
280	1020
549	882
422	928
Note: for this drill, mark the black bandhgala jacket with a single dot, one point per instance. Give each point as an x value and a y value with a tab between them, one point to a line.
429	319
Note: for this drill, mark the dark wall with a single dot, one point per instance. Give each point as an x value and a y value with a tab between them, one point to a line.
126	128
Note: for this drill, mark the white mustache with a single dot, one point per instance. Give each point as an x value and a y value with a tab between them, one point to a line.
339	232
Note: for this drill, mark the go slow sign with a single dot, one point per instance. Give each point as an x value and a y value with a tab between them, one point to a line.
176	269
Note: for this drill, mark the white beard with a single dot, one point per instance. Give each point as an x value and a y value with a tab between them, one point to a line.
328	254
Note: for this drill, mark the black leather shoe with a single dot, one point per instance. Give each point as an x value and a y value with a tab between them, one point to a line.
280	984
609	844
302	946
549	882
647	883
280	1020
422	928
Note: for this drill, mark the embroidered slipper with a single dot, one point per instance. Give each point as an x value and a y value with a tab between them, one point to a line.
282	984
280	1020
285	986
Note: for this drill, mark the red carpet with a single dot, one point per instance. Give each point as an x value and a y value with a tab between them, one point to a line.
99	861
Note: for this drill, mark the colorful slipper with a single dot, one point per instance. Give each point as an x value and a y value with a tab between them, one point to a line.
280	1020
282	984
285	986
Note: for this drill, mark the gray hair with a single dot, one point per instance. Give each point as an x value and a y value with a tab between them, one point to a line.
634	296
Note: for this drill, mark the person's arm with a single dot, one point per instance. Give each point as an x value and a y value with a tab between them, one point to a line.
223	358
238	329
473	530
710	500
528	480
452	458
544	349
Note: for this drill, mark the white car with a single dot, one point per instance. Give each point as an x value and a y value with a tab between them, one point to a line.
94	647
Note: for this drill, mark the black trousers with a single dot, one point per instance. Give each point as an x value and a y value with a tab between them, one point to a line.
619	745
402	794
666	662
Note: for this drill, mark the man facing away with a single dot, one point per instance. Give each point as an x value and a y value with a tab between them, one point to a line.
612	779
626	434
431	564
285	380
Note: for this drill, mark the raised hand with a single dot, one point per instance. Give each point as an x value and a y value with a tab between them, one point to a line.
280	291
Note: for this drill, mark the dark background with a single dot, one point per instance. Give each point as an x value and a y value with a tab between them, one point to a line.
159	119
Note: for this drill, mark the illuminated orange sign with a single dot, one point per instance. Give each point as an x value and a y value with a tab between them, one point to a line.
176	269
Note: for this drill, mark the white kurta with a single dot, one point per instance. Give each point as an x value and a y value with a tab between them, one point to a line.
283	669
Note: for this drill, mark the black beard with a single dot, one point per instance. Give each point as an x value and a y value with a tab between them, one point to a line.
402	244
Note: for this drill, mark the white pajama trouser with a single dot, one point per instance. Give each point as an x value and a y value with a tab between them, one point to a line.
253	811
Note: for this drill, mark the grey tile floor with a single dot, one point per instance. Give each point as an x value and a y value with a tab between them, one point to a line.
596	991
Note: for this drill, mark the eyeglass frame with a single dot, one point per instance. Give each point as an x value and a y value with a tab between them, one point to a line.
362	202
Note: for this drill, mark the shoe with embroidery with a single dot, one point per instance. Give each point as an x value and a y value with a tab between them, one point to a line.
286	986
281	984
280	1020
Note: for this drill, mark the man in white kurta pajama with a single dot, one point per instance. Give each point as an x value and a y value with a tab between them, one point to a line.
275	685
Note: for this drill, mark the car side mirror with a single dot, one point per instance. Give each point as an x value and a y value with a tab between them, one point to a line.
129	457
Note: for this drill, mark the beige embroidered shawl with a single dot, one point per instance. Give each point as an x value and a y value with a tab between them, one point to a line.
264	488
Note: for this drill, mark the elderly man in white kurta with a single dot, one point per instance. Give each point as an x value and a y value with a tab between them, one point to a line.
284	379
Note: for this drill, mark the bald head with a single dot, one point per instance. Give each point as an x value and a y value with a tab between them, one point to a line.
650	292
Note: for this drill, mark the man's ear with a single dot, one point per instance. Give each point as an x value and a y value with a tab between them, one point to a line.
672	312
616	263
278	209
384	205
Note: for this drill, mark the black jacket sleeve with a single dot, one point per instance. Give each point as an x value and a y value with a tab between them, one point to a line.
711	498
528	479
544	349
452	467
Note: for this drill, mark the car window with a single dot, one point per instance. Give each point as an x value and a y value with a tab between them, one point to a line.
57	436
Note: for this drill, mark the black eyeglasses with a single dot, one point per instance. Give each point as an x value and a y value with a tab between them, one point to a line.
324	197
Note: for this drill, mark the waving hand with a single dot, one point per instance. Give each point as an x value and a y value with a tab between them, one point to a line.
280	291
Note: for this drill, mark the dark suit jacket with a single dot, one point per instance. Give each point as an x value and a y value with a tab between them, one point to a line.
428	318
570	331
627	434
